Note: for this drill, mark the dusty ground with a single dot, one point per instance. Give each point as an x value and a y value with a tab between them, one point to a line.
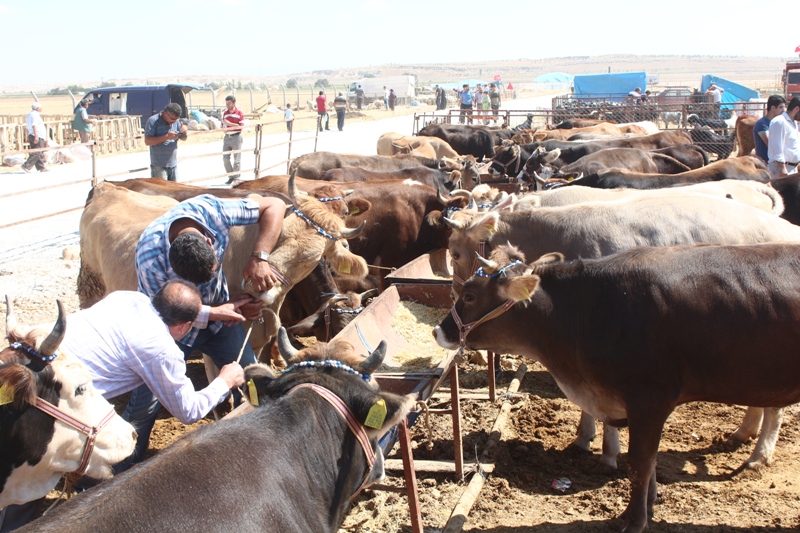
702	490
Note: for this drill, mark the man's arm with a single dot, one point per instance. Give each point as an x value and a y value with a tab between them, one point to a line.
270	224
149	140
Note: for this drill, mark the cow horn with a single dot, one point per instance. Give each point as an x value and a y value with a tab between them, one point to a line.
337	298
489	266
11	318
53	341
442	198
350	233
367	294
460	192
348	192
375	359
538	177
291	188
285	347
453	223
580	176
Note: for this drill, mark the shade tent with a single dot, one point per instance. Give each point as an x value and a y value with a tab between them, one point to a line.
618	84
733	91
554	77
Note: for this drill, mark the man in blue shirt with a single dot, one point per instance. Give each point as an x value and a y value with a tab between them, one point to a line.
161	134
776	105
466	97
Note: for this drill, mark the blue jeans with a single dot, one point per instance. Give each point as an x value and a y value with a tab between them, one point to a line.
143	407
165	173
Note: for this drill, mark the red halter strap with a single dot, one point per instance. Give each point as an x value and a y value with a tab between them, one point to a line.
278	274
90	431
353	423
464	329
457	280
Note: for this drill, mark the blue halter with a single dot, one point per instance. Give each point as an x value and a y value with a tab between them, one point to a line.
330	364
501	272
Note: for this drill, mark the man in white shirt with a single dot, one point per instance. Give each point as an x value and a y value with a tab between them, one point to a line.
37	138
784	141
127	340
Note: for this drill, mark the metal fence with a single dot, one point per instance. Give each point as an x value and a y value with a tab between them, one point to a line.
113	133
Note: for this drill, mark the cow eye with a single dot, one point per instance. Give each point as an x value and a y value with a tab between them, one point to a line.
468	298
80	390
455	256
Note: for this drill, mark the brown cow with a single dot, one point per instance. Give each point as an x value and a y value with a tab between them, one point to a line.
314	165
744	134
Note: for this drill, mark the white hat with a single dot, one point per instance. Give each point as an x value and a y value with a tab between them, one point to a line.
36	105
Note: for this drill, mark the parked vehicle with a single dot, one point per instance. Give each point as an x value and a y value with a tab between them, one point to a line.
373	87
142	100
791	79
674	96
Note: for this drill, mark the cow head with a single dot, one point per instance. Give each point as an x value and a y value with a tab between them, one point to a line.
470	229
536	169
322	365
37	449
333	315
458	200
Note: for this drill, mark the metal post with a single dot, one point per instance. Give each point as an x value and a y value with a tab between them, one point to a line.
289	155
257	151
252	106
94	164
190	100
297	88
214	98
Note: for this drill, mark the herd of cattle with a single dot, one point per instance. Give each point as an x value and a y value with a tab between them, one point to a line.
640	274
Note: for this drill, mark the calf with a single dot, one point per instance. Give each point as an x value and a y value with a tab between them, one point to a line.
37	451
632	336
299	458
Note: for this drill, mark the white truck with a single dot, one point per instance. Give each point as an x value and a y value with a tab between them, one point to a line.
373	88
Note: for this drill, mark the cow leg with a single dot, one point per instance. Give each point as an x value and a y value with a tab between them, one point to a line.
610	447
646	424
586	432
750	425
765	446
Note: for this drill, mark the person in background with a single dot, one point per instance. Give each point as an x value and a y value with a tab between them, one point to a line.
776	105
392	99
82	123
37	138
288	116
716	96
441	101
232	120
359	97
466	98
485	106
634	97
646	97
322	111
161	134
386	97
784	141
478	97
494	97
341	106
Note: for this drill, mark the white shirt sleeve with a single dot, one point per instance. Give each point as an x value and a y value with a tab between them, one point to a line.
201	322
777	130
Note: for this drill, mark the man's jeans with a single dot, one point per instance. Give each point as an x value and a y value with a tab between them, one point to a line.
232	143
165	173
340	119
143	407
35	158
319	120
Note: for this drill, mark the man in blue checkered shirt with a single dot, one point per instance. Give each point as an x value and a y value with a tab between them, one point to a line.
189	242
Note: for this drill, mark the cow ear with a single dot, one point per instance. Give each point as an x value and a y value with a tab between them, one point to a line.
549	157
434	219
485	227
257	377
358	206
347	263
397	408
519	288
306	326
17	386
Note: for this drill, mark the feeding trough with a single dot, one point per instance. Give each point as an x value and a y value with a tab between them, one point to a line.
433	268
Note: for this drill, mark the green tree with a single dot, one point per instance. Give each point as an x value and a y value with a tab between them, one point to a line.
291	83
322	82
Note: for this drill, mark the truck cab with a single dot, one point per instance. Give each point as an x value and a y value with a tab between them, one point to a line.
791	79
142	100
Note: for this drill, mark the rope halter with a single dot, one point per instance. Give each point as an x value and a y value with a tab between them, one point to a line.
327	316
313	224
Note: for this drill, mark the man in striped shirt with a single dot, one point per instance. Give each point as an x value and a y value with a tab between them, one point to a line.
232	118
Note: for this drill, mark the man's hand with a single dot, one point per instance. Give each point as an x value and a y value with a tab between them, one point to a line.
172	135
251	306
229	312
233	374
260	273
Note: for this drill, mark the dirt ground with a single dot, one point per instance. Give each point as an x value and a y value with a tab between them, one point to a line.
702	489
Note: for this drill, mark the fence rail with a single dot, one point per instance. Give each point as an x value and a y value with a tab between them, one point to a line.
117	133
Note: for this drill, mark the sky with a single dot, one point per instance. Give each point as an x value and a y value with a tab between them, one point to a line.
55	42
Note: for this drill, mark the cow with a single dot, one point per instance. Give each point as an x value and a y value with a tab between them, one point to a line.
573	123
314	165
36	450
466	140
633	159
631	336
740	168
744	134
722	145
432	147
595	229
176	191
301	455
690	155
427	176
712	123
112	223
332	316
601	129
789	189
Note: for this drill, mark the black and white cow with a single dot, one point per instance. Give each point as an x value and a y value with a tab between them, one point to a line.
35	448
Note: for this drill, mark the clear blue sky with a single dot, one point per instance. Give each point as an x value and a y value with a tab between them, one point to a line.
58	42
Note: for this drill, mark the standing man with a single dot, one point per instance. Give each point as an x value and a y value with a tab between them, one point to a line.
82	123
494	99
716	96
189	242
359	97
386	97
784	141
776	105
465	96
341	106
232	120
288	116
322	111
37	138
442	101
161	134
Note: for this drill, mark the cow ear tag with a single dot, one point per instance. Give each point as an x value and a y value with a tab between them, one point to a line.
344	267
7	394
354	210
377	415
251	389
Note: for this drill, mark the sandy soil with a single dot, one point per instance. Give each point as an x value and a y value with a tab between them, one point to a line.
702	489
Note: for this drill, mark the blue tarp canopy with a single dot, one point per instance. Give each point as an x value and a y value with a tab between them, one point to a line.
618	83
459	84
554	77
733	91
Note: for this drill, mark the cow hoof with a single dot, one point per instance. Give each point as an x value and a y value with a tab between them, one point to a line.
578	448
603	467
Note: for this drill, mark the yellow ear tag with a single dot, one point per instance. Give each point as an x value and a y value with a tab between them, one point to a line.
344	267
7	393
251	389
354	210
377	415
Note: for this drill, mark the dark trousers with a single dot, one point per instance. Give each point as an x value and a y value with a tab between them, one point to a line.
319	120
35	158
289	125
15	516
466	109
340	119
359	103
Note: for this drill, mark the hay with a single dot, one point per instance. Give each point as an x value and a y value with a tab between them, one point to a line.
414	322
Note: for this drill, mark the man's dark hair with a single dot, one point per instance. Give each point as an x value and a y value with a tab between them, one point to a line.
320	93
173	109
192	258
794	102
231	98
774	101
177	302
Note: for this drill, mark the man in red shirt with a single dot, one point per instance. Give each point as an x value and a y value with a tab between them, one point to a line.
232	120
322	111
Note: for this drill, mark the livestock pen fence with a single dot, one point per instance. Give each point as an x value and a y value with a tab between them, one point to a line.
191	160
113	133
